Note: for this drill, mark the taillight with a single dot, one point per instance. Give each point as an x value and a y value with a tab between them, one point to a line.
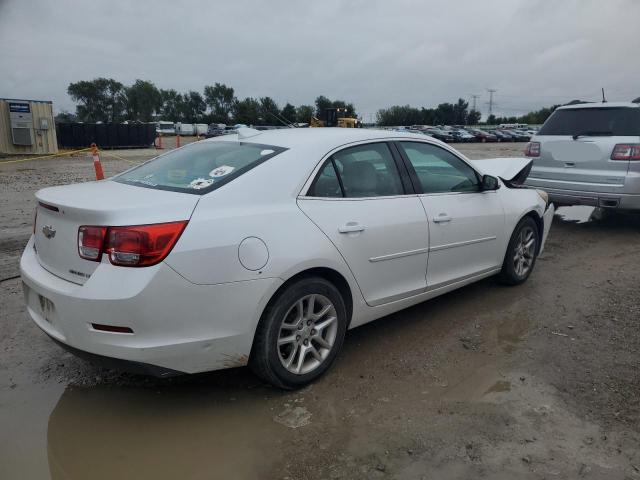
532	149
134	246
91	242
626	151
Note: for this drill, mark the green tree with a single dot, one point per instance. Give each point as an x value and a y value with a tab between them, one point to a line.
322	103
220	99
491	120
143	101
192	108
445	114
101	100
247	111
460	112
474	117
171	105
65	117
288	113
304	113
269	112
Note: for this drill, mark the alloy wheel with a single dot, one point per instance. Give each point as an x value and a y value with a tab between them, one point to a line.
307	334
525	251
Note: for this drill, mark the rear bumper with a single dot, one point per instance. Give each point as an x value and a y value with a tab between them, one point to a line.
177	326
560	196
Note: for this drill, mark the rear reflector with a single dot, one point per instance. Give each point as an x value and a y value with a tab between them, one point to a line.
626	151
111	328
132	246
532	149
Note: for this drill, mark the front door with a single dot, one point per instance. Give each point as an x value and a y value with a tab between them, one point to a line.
466	225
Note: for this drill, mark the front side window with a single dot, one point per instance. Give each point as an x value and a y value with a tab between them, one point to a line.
200	167
438	170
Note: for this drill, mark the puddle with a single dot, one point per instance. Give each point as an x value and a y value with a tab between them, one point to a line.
577	214
499	387
511	332
107	433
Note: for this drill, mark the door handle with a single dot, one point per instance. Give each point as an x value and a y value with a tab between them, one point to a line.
442	218
351	227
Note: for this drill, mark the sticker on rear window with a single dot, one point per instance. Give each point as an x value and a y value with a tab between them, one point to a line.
266	152
199	183
221	171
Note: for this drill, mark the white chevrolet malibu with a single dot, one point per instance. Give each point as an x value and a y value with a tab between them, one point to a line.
264	248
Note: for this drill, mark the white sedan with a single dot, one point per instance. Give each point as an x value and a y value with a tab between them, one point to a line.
264	248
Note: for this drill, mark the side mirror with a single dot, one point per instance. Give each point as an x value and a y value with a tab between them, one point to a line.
489	183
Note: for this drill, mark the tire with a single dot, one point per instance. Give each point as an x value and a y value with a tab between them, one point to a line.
287	317
519	260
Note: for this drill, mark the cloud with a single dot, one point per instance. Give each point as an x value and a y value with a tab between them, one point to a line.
374	53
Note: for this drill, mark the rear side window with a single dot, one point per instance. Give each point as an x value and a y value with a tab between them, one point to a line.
362	171
618	121
200	167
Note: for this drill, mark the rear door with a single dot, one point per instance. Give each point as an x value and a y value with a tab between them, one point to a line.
362	204
576	146
466	225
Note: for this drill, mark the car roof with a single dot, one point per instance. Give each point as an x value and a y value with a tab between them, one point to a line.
599	105
322	138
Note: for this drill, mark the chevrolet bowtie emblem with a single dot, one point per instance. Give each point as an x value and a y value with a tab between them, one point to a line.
49	231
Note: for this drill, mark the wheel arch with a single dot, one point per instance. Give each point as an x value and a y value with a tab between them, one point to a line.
329	274
539	223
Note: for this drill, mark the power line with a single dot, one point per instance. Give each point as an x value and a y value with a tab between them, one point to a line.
491	104
474	98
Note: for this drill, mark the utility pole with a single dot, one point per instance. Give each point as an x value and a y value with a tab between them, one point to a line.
474	98
491	92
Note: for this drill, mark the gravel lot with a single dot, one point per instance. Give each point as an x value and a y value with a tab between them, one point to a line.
537	381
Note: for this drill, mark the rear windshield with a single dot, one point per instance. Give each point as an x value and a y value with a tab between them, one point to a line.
618	121
200	167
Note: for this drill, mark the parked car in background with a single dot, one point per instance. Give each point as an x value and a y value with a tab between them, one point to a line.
521	135
172	267
512	136
460	135
482	135
165	128
589	154
502	137
200	128
442	135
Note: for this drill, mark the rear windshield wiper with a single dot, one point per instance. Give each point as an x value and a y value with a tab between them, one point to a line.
592	134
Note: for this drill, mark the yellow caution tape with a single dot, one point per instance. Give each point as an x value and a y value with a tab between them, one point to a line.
45	157
109	154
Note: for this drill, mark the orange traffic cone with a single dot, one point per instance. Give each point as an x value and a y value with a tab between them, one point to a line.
96	162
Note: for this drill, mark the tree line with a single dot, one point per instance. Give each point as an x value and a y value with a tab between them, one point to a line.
109	101
444	114
453	114
537	117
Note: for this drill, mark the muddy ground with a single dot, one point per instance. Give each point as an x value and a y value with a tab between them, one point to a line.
536	381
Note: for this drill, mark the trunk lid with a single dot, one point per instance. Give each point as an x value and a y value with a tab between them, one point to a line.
62	210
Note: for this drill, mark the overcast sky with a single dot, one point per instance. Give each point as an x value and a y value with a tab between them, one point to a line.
372	53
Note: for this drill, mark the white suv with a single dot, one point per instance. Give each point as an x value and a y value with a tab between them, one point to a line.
589	154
